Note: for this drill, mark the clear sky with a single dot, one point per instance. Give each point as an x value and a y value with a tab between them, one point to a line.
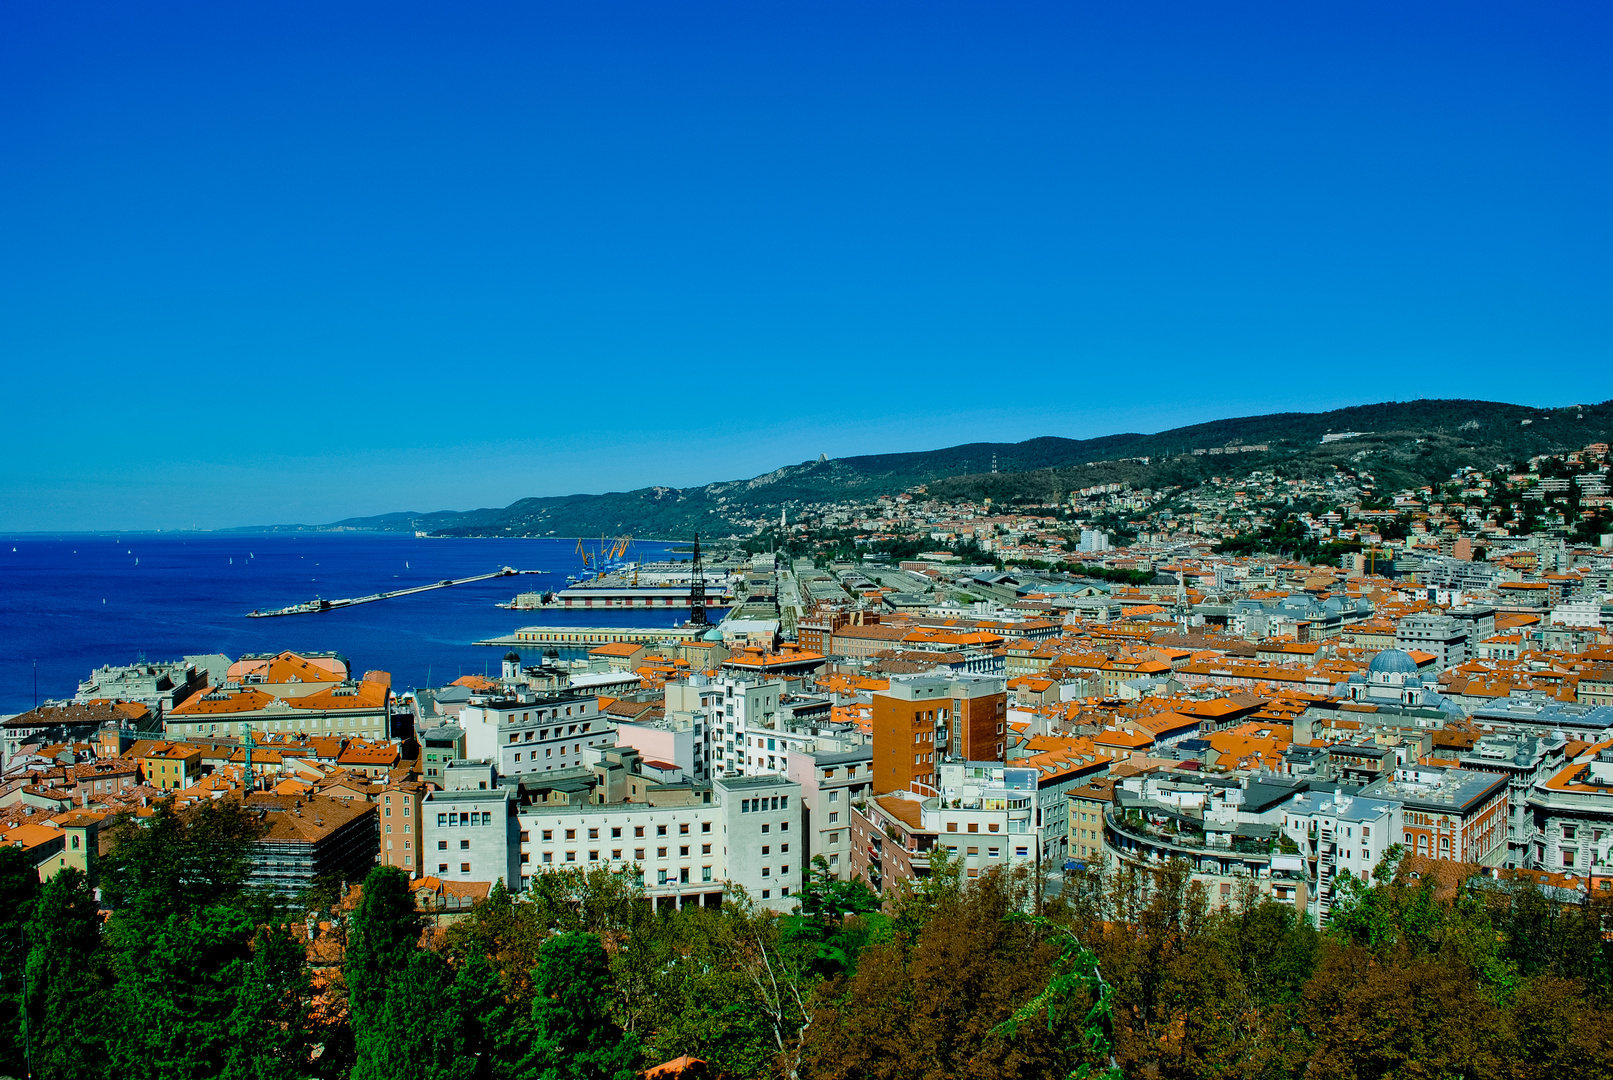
299	261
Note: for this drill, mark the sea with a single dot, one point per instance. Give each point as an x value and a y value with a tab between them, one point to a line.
70	603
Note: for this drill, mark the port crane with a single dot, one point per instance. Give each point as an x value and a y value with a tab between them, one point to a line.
604	553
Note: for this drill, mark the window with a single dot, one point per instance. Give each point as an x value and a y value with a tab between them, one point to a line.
593	834
974	826
766	849
442	868
464	868
974	851
548	856
683	852
616	833
705	873
464	845
783	826
660	830
683	830
638	830
766	871
571	856
660	853
683	875
1021	853
992	853
442	820
548	834
638	853
526	837
571	834
834	838
442	845
593	856
705	849
616	853
952	826
705	826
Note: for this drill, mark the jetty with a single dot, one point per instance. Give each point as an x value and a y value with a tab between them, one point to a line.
317	605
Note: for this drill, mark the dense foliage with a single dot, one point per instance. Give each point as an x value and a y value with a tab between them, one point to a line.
1124	974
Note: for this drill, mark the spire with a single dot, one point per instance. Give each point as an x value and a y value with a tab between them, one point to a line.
697	588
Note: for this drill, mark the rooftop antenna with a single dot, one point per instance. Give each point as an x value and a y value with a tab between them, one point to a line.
697	588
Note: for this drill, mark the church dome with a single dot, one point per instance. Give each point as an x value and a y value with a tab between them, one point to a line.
713	634
512	657
1393	662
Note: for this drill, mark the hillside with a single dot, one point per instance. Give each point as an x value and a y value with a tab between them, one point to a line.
1407	443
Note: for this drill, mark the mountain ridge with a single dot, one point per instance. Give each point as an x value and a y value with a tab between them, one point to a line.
1401	442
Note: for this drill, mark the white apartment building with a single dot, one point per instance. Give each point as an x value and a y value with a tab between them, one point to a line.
527	732
742	722
743	832
1338	833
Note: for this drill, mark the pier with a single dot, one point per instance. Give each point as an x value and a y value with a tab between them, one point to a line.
585	637
317	605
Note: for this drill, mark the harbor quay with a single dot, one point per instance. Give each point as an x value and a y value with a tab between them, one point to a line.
587	636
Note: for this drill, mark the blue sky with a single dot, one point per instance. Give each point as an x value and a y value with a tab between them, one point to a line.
297	261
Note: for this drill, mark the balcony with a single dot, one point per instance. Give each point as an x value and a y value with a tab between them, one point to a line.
1153	845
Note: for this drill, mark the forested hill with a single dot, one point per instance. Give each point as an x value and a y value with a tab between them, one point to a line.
1411	442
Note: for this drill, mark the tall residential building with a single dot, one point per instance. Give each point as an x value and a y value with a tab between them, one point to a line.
922	720
527	732
400	825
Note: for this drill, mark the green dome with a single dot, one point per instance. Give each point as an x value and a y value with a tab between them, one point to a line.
714	634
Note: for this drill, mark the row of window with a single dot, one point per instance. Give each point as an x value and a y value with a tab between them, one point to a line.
515	736
448	821
616	832
757	806
991	852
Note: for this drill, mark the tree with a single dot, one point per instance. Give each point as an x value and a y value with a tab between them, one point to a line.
414	1031
381	937
178	998
66	981
269	1028
179	862
572	1036
832	919
485	1017
19	889
382	943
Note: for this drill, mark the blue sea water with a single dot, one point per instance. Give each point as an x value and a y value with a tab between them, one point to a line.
70	603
